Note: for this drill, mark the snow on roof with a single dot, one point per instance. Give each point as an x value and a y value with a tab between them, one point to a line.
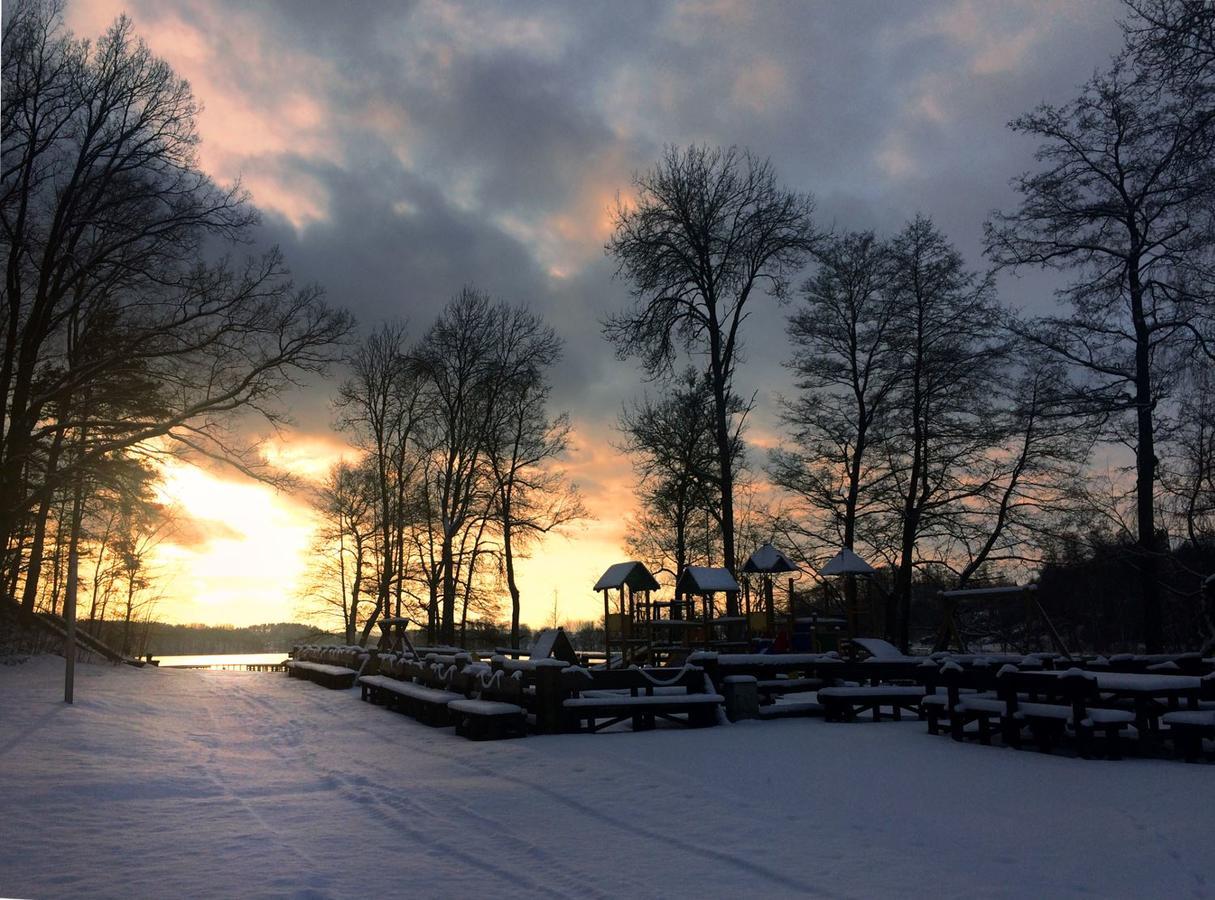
1004	591
627	574
879	648
704	580
768	559
847	563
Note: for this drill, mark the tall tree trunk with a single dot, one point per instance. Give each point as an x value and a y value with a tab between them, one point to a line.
1145	472
511	585
850	503
347	618
33	572
447	612
898	625
69	601
726	467
720	367
126	620
356	589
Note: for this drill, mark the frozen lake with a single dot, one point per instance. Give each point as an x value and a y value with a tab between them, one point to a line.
222	659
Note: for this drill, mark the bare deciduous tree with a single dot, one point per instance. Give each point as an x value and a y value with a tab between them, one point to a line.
707	230
673	446
946	327
1123	199
104	216
379	405
847	368
531	497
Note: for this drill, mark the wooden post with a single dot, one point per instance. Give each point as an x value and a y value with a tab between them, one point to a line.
69	601
792	616
607	641
548	699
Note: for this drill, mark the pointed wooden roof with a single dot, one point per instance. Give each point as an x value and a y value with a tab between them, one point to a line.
704	580
847	563
627	574
768	559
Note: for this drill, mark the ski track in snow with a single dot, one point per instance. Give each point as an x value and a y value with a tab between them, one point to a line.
421	822
203	784
580	885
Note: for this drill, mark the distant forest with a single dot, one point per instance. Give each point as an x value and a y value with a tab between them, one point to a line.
163	639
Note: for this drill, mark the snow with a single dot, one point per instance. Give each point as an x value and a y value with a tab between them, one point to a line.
181	783
320	667
657	699
542	647
773	660
769	560
706	580
883	690
1130	681
880	649
632	574
846	563
485	707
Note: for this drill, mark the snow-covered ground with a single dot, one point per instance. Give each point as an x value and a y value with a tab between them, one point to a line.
161	783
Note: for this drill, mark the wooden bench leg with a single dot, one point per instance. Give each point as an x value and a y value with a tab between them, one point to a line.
1010	731
984	730
1084	742
1188	743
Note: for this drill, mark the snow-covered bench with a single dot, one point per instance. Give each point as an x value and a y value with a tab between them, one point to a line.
773	687
1051	705
842	704
951	686
488	719
494	707
326	675
480	702
424	703
1188	727
605	698
331	667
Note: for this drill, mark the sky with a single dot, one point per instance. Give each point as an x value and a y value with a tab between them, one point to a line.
399	151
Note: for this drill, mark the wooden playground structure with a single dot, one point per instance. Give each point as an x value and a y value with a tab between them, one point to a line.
641	630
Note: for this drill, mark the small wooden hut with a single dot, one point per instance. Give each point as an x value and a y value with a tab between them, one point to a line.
635	579
767	562
553	643
847	564
707	583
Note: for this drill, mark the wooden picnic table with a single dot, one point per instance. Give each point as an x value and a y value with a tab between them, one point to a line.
1147	691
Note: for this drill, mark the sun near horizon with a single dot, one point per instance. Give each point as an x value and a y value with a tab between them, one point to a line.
240	550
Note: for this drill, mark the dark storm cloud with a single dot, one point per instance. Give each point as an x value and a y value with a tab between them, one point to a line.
402	151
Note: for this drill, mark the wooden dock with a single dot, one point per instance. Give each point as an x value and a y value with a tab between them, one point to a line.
237	667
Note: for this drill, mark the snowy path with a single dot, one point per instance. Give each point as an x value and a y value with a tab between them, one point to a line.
164	783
